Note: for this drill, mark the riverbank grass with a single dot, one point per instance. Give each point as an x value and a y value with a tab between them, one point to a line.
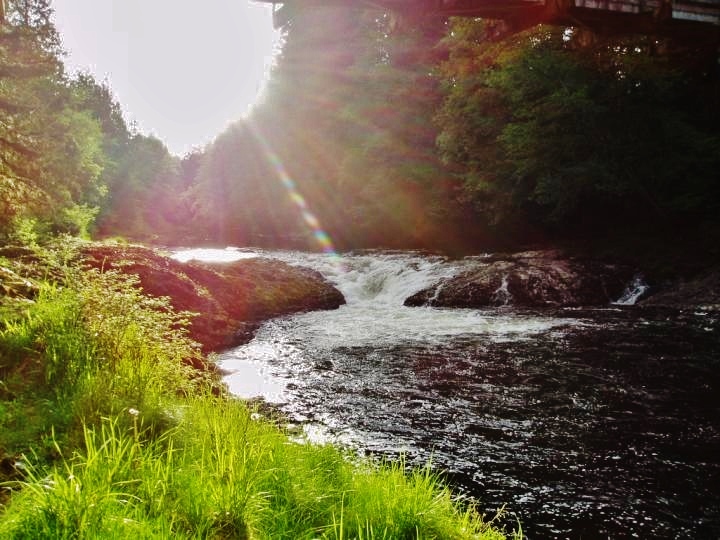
110	436
221	474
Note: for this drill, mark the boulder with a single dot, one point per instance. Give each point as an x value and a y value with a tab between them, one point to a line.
527	279
701	293
231	299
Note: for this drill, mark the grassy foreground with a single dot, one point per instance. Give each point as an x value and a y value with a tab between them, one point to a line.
105	434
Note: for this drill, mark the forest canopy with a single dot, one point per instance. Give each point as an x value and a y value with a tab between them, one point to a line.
454	134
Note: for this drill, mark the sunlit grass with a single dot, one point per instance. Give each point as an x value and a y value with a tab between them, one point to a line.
222	474
114	441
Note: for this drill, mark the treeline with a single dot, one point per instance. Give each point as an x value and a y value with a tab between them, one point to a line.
459	134
68	160
453	134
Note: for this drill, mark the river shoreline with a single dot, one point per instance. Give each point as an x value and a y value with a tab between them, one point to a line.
106	433
629	385
585	422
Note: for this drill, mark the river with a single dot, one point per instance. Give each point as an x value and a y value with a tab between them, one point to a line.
584	423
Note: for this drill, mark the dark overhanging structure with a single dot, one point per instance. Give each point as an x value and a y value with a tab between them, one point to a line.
693	20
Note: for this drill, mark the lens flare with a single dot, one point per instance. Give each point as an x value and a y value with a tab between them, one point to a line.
311	220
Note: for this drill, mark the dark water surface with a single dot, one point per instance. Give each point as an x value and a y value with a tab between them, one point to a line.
585	424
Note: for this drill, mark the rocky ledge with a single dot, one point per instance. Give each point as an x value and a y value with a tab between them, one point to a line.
231	299
528	279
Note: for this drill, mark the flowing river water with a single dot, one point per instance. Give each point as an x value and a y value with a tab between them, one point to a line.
584	423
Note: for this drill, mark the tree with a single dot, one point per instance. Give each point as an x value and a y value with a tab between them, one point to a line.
399	192
348	115
558	135
50	157
144	201
238	196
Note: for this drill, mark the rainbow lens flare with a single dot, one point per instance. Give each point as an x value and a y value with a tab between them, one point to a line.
311	220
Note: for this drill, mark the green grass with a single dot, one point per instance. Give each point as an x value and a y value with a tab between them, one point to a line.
221	474
119	442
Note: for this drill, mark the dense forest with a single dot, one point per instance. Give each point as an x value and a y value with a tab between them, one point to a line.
454	134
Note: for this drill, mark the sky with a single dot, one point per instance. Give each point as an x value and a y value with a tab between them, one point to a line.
181	69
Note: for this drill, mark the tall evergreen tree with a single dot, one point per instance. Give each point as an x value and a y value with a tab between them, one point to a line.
50	158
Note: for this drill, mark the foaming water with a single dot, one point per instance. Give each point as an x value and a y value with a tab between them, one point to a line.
586	423
377	279
375	286
633	292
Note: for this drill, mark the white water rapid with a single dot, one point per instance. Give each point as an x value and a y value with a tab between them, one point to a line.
375	285
633	292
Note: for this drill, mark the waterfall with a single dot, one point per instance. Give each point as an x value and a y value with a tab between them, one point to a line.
375	286
436	294
502	295
381	279
633	292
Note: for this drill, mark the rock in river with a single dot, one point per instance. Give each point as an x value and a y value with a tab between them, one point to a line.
231	299
527	279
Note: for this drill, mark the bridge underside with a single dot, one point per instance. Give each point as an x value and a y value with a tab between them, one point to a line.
694	20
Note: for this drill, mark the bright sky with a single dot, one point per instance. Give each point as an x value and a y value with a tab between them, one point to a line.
182	69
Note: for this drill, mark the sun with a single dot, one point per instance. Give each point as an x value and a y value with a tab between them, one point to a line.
182	70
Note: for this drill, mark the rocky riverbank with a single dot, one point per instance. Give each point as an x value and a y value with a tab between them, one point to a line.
230	299
554	279
702	292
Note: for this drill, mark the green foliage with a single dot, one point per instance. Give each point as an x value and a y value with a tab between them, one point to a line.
141	343
347	117
50	155
79	218
544	129
393	181
25	230
560	135
102	347
99	101
238	196
145	195
533	134
64	145
94	494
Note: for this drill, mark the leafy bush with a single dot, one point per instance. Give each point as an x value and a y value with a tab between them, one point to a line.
78	219
103	347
